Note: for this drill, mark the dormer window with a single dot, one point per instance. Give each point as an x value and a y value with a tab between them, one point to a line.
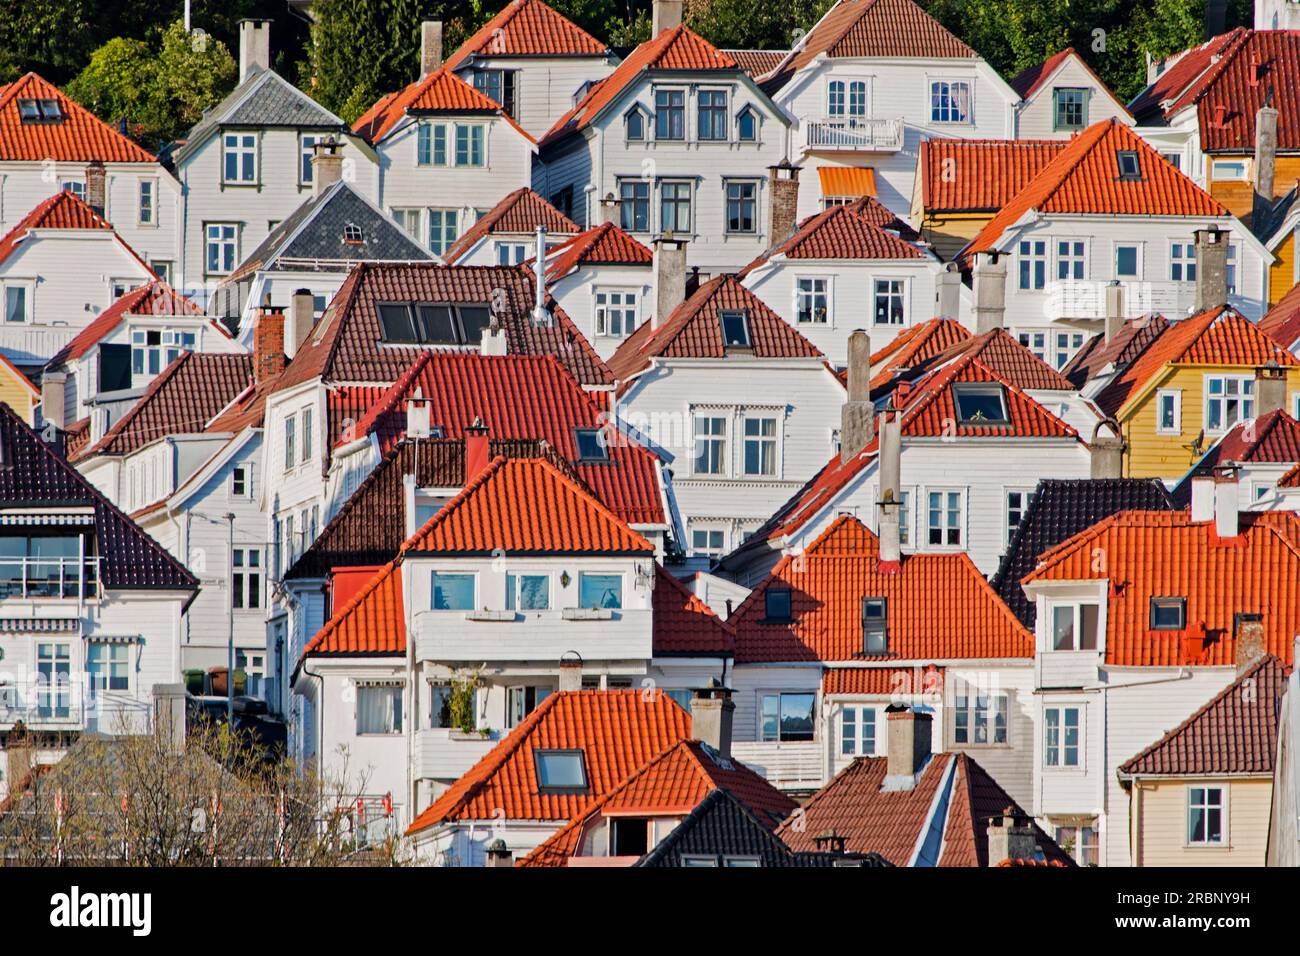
561	771
352	234
40	111
735	330
433	323
777	606
1168	613
875	625
980	404
592	445
1130	167
747	125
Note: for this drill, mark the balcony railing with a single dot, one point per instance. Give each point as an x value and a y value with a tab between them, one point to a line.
857	133
445	754
41	706
790	765
69	577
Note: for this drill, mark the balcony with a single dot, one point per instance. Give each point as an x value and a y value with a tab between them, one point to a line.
39	707
858	134
622	634
54	577
445	754
785	765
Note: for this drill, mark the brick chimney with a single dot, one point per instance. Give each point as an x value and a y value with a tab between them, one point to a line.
1211	268
268	343
1011	837
96	181
1270	388
670	277
909	746
254	47
1265	160
712	714
497	855
430	47
857	417
326	166
989	278
477	456
1251	644
783	212
1107	450
665	14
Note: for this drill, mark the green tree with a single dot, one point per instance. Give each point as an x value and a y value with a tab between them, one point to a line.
51	37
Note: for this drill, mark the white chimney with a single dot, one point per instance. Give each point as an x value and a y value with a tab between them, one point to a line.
664	15
1226	522
1114	310
1202	498
989	280
430	47
254	47
670	277
570	673
947	294
169	716
540	315
302	316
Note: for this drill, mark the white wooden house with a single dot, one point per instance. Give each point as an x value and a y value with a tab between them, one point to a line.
1062	96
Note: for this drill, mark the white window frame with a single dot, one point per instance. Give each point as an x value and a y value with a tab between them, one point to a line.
1241	398
708	528
518	573
1223	842
472	132
967	702
690	200
904	294
858	749
399	699
444	240
140	219
29	291
725	438
306	150
103	668
512	252
1184	261
962	542
222	242
826	294
775	438
1224	170
600	310
290	442
1141	264
1061	766
1070	258
1026	492
1175	397
241	576
242	149
1076	604
1061	356
1029	256
247	473
1040	351
968	82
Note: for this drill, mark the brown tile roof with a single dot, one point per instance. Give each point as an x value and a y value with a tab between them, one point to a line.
758	63
914	346
522	211
78	137
882	681
1235	732
845	232
979	175
1130	342
153	299
1181	75
1002	355
528	28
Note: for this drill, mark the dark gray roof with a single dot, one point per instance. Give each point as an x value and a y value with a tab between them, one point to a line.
315	231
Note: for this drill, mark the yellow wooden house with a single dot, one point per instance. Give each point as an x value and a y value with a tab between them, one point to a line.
18	392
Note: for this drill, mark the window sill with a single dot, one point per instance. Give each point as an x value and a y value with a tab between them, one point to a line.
486	615
588	614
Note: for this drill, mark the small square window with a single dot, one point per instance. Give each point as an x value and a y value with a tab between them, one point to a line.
592	445
560	770
980	404
777	607
735	330
1130	167
1168	613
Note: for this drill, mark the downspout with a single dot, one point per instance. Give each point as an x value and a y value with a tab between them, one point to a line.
320	731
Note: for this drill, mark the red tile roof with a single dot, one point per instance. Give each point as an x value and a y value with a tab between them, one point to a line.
1274	437
1235	732
155	299
672	784
63	210
881	681
1215	337
979	175
182	399
604	245
442	91
1181	75
694	330
1282	322
1002	355
894	823
684	626
1291	479
522	211
914	346
1257	572
617	731
490	515
520	396
845	232
528	28
1129	342
678	49
345	346
1083	179
939	606
372	622
78	138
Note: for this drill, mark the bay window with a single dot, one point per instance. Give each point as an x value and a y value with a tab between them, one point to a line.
1075	626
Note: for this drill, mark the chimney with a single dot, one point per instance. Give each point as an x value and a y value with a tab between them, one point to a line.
477	456
430	47
540	315
302	316
857	417
891	495
95	185
1265	160
1226	522
1011	837
712	714
665	14
497	853
990	285
326	166
947	294
909	746
53	396
169	712
268	343
419	416
254	47
1114	310
493	341
571	672
1216	16
1250	641
1107	450
1211	269
670	276
1270	388
1202	498
783	215
609	209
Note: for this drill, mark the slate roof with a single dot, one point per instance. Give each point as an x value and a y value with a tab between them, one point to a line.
519	213
1235	732
1130	341
952	787
315	232
155	299
979	175
1060	509
939	606
528	28
78	138
33	475
616	730
1258	572
345	345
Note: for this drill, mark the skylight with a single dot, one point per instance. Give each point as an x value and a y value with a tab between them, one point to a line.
433	324
40	111
560	770
980	404
1130	167
592	445
735	329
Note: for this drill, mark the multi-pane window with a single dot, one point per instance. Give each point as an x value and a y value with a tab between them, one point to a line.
891	302
675	206
528	592
431	144
152	350
787	716
1017	504
670	114
246	578
522	701
511	253
307	414
409	220
1080	842
635	125
306	150
708	542
499	86
107	666
241	482
433	323
239	158
1069	259
1067	343
1205	815
290	441
1169	412
760	446
1074	627
147	213
1061	736
747	126
600	590
710	445
1182	262
1070	108
53	680
444	228
634	205
875	625
379	709
1033	263
979	717
222	247
742	207
469	144
812	300
1228	399
950	101
858	731
712	114
615	312
943	518
1036	342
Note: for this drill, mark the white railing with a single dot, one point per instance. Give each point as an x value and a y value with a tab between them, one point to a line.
856	133
70	577
31	343
40	705
787	766
445	754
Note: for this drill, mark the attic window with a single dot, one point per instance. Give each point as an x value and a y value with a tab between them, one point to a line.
777	606
432	324
352	234
1129	165
735	330
1168	613
875	625
980	404
40	111
591	445
560	770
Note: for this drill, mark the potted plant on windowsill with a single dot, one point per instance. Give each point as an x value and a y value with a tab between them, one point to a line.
460	702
